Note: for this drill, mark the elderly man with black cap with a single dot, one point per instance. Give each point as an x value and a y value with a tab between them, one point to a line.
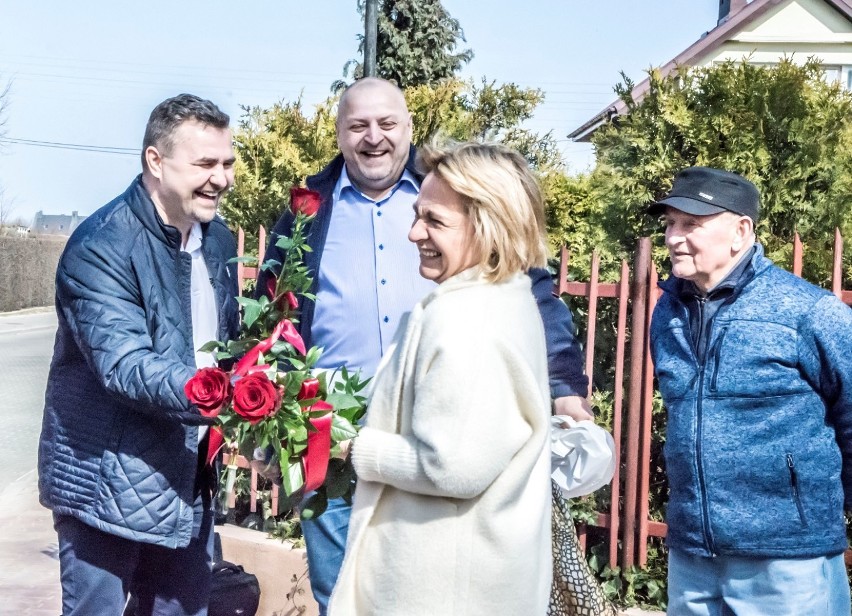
755	369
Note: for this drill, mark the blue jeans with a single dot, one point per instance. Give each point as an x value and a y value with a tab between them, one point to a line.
325	542
727	585
97	570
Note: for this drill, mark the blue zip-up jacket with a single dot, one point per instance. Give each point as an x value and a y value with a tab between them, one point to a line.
119	440
759	437
564	355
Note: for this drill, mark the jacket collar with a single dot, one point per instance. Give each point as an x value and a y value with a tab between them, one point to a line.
738	278
143	207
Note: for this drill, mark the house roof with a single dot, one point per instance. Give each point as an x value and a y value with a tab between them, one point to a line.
708	42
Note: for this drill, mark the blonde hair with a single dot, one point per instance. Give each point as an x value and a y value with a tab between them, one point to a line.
502	198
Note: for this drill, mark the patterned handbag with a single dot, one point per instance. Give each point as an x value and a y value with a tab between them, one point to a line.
575	591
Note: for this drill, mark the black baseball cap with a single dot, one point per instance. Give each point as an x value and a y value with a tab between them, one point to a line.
704	191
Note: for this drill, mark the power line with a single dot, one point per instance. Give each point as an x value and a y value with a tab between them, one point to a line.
103	149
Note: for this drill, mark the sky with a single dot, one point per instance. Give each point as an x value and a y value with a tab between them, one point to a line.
83	76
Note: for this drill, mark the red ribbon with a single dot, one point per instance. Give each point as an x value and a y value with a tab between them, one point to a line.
284	329
214	443
317	454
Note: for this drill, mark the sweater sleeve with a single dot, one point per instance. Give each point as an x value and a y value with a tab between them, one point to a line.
825	338
476	404
564	355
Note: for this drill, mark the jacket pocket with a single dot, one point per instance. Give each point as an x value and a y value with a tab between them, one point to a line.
716	356
794	486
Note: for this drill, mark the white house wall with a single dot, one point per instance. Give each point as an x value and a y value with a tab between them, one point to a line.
797	29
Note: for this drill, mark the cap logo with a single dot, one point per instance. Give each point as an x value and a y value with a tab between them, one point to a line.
706	196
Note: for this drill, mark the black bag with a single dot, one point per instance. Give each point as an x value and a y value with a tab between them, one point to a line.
235	592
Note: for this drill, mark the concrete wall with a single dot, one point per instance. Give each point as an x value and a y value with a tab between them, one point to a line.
28	270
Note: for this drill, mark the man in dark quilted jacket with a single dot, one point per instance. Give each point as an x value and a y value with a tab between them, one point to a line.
755	370
142	284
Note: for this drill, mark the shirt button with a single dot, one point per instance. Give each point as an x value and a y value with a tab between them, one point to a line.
386	319
378	213
381	246
383	281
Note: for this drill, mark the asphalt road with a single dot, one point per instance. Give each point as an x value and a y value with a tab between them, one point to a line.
26	346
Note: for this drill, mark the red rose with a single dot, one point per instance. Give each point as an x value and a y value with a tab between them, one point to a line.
304	201
291	300
309	389
209	390
255	397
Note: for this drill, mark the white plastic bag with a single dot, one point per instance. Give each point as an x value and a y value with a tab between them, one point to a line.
582	455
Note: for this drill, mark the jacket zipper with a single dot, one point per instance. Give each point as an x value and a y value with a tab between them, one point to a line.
717	357
705	511
794	485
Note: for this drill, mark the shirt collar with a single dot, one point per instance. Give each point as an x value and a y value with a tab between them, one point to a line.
193	242
344	183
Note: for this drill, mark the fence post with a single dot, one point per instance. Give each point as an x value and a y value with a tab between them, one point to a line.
837	266
639	302
647	418
617	405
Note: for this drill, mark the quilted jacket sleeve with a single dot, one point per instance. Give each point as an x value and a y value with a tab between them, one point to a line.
98	294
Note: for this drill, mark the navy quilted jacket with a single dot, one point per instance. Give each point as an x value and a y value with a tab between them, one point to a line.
119	442
759	436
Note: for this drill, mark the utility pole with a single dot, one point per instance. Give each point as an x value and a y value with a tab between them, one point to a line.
371	29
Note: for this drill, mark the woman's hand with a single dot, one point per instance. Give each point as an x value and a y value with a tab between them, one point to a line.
575	407
345	447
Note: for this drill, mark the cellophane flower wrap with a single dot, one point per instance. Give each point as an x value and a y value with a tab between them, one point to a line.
272	398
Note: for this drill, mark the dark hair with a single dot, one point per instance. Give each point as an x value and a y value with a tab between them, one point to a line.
171	113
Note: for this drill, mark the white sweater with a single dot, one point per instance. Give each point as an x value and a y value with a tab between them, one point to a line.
451	514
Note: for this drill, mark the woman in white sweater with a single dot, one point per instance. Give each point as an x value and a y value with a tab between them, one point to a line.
452	509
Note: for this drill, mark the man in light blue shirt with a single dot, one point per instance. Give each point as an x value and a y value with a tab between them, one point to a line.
366	276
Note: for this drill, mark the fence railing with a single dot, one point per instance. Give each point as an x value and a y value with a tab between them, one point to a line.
627	520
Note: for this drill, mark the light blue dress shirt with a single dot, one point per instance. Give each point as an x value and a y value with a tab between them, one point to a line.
368	276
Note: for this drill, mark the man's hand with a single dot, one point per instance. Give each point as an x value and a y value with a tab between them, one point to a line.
575	407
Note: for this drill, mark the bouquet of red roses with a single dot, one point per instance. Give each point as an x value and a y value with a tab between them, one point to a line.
272	398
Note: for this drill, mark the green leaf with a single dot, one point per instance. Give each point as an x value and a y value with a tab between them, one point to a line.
210	346
292	480
313	356
270	264
251	310
284	243
341	429
341	400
